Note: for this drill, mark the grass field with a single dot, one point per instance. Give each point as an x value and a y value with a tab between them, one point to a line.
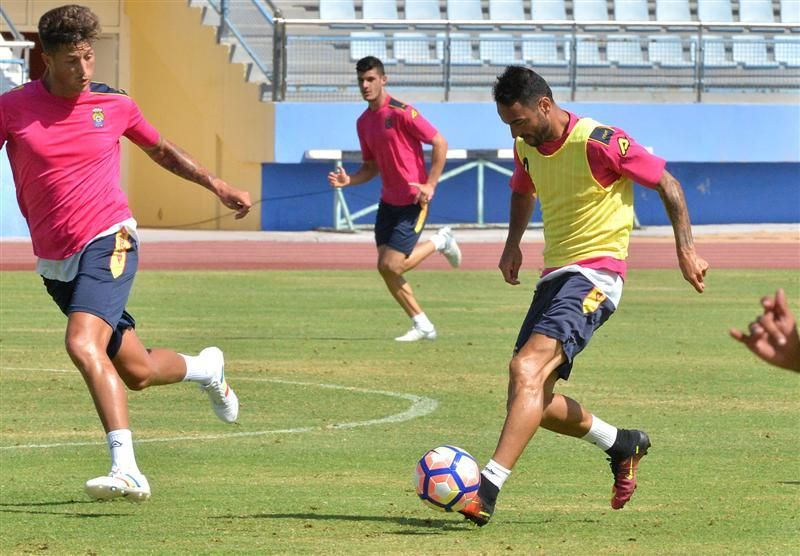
335	414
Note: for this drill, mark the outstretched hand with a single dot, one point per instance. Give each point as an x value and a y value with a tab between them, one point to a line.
338	178
234	199
773	335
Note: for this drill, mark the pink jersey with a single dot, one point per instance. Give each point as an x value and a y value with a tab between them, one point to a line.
392	136
610	155
65	157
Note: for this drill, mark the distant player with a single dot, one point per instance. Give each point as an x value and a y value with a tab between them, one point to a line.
63	136
582	172
391	134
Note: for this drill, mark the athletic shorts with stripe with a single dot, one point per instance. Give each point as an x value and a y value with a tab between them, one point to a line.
399	227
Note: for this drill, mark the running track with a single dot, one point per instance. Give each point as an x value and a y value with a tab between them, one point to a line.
773	251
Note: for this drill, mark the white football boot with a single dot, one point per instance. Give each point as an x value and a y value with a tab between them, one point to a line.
417	334
118	484
223	399
450	250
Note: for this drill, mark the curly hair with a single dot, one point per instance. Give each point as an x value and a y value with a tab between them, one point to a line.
68	25
520	84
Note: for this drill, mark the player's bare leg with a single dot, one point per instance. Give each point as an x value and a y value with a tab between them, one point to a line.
391	265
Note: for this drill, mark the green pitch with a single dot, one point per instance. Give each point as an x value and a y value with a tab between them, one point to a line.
334	415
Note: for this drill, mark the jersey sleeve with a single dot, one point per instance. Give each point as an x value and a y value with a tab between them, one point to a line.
420	128
521	181
624	156
139	130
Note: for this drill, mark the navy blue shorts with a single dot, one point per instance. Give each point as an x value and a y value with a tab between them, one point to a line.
399	227
102	285
568	308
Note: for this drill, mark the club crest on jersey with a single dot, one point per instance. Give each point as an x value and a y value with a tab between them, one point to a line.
388	123
98	117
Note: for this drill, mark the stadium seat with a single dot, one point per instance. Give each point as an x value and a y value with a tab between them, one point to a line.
631	10
413	49
590	10
337	9
716	11
422	9
587	52
790	11
542	50
751	51
756	11
714	53
787	51
673	10
497	49
380	9
553	10
460	49
464	9
667	52
506	10
625	51
368	43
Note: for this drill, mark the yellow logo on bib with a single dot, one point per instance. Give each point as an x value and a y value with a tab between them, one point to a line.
593	300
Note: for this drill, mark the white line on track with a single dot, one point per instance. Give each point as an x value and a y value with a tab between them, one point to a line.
420	406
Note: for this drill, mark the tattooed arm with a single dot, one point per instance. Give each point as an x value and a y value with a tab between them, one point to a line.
179	162
693	267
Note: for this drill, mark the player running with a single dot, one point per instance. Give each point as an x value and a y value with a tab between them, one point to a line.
391	134
582	172
63	136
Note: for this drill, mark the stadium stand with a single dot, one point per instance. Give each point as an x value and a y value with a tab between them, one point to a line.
625	51
667	51
631	10
590	10
756	11
673	10
544	10
497	49
714	11
715	52
587	51
751	51
545	50
369	43
460	49
511	10
790	11
413	49
422	9
337	9
787	51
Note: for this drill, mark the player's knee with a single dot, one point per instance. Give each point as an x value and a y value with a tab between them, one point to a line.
526	373
83	348
388	268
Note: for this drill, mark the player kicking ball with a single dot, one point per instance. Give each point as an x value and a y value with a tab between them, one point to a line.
582	172
63	136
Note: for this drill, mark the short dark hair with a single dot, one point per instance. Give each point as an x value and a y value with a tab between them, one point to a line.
520	84
369	62
68	25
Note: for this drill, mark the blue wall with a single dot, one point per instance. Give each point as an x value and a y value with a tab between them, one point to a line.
738	163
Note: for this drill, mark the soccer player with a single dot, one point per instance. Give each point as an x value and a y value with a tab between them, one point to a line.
773	335
582	172
63	136
391	134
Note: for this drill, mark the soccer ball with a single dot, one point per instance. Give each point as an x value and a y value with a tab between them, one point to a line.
447	478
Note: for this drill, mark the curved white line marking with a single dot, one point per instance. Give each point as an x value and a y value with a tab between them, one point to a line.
420	406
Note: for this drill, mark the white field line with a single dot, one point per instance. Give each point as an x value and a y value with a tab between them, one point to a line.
420	406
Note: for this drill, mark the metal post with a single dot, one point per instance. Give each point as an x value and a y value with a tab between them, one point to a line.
224	11
278	39
573	62
337	201
699	64
447	64
480	192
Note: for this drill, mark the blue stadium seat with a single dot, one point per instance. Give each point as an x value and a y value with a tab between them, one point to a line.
756	11
506	10
369	43
548	10
543	50
460	49
422	9
337	9
631	10
380	9
673	10
464	9
787	51
587	52
413	49
667	52
497	49
751	51
790	11
625	51
715	53
589	10
717	11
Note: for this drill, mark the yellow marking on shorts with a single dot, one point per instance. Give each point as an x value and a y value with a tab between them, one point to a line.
593	300
120	254
423	214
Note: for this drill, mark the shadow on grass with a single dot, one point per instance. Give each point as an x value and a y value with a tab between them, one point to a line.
20	508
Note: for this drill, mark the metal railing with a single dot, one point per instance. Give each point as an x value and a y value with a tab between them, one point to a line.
20	55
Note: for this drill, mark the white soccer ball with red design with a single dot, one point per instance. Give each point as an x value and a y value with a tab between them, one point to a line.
447	478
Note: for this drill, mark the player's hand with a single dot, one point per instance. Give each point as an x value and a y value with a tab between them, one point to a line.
234	199
510	263
773	335
694	269
424	192
338	178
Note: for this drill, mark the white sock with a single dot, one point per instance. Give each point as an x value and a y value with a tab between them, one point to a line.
601	434
196	369
438	241
422	322
496	473
120	444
